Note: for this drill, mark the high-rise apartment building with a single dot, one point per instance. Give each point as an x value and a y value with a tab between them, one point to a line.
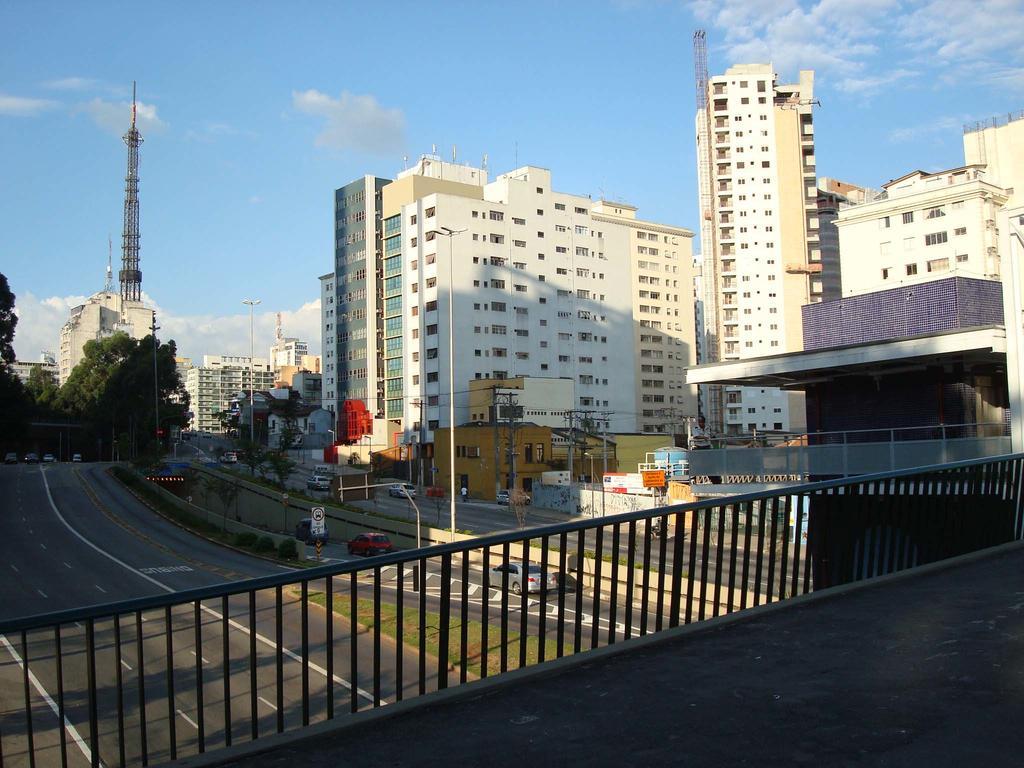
759	233
212	385
102	315
543	284
925	226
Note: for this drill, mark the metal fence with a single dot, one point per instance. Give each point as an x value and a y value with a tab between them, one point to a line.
156	679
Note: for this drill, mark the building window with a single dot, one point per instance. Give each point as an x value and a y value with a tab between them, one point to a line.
960	231
934	213
936	238
938	265
429	213
908	217
911	269
885	273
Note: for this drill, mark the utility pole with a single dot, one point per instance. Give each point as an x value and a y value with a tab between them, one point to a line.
156	382
604	455
497	440
419	447
570	417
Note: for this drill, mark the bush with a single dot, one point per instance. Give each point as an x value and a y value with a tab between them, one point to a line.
287	550
247	539
265	544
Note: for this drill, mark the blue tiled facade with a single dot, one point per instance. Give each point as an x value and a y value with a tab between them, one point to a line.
939	305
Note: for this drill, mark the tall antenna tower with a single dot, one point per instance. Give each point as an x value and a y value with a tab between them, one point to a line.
705	182
131	275
277	331
108	285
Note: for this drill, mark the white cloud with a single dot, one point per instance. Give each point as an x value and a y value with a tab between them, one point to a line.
869	84
209	132
115	117
72	84
353	122
21	106
864	46
40	321
950	125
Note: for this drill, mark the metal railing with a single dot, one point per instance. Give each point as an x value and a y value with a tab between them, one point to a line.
159	678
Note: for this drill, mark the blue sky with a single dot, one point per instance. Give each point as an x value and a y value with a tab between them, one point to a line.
252	114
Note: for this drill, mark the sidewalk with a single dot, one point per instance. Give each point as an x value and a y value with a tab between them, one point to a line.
919	670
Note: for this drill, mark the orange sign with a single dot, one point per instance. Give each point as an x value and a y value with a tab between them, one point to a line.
654	478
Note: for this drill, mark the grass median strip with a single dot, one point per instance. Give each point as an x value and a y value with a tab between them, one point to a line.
474	634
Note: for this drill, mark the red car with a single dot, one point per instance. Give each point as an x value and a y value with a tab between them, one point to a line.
368	544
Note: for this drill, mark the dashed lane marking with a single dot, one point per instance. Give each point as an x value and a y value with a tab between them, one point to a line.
267	703
15	568
205	661
41	592
101	589
42	545
187	719
67	566
125	665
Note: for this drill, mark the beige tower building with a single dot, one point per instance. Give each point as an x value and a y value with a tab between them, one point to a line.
102	315
759	234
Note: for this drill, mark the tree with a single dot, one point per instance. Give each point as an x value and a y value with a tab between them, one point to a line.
225	490
42	387
280	465
8	322
252	455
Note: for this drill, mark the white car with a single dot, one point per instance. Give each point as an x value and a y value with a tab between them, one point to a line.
401	490
48	458
319	483
77	458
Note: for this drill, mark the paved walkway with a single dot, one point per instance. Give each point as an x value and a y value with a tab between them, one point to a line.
922	671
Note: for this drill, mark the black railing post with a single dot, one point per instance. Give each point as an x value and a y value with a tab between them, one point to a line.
29	734
171	709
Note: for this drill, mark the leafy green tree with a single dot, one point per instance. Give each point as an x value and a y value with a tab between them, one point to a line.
8	322
280	465
225	490
42	387
252	455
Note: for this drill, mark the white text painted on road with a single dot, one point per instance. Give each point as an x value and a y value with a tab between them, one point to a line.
166	569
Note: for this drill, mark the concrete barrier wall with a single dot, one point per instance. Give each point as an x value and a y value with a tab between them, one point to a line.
217	518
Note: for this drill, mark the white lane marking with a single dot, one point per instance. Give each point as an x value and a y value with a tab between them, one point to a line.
67	566
42	545
188	719
49	700
267	703
101	589
78	625
209	611
474	588
41	592
15	568
205	660
125	665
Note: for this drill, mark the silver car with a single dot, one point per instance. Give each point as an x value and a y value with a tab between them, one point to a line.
536	579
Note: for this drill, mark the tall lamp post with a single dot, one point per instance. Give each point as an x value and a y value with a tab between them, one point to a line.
251	303
156	386
450	233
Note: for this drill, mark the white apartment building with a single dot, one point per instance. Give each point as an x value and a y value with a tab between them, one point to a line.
759	234
929	225
545	285
211	386
47	363
660	259
288	351
102	315
926	226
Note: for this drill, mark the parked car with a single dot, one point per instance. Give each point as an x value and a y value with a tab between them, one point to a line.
536	579
503	497
11	458
304	532
229	457
397	490
48	458
319	483
76	458
31	458
368	544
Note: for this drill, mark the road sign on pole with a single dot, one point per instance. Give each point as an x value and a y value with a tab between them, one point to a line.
317	523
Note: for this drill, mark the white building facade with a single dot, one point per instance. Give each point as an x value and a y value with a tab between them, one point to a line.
212	385
759	234
102	315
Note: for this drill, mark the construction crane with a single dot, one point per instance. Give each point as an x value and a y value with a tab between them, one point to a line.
705	182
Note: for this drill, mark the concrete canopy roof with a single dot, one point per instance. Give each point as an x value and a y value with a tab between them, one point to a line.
985	344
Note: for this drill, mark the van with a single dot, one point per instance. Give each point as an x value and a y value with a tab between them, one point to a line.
323	469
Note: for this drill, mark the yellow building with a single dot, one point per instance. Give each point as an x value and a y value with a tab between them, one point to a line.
632	449
482	457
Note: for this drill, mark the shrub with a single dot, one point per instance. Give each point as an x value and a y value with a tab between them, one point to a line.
287	550
264	544
247	539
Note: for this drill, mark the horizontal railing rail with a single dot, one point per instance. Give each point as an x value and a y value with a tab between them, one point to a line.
157	678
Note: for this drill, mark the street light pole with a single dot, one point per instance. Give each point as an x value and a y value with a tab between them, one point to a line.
252	369
156	384
450	233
